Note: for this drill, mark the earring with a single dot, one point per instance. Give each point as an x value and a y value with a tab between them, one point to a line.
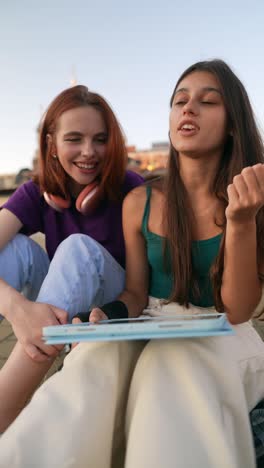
55	156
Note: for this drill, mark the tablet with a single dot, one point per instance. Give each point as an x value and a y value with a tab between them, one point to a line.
141	328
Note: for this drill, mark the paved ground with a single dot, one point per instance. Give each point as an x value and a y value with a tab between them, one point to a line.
7	341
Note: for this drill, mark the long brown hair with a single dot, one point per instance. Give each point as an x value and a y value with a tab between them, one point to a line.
243	148
51	177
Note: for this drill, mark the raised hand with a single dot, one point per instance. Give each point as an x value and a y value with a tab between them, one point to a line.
246	195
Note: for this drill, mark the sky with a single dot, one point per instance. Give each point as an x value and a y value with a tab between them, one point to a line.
130	52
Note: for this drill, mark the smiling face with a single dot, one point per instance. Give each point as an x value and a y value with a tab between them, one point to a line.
198	120
80	145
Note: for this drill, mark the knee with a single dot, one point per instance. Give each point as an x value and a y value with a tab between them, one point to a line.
76	244
168	349
165	354
78	248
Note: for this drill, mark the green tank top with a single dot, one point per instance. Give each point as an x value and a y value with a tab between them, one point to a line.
203	255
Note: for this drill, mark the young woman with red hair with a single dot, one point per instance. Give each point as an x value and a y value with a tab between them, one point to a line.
76	201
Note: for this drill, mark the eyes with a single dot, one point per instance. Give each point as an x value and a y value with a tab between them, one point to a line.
183	102
205	98
72	139
101	140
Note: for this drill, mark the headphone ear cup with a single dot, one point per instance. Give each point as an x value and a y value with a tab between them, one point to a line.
88	198
57	203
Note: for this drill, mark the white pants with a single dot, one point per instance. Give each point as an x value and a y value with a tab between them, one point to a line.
179	403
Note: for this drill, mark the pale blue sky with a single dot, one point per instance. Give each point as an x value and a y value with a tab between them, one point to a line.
132	53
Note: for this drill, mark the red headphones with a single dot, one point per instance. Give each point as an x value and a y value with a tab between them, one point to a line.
85	202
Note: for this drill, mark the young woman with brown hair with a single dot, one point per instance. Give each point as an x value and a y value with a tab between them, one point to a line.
193	240
76	201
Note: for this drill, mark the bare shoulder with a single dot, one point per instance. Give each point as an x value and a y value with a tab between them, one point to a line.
136	197
156	194
134	205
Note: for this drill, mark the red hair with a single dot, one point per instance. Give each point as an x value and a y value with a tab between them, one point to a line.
51	176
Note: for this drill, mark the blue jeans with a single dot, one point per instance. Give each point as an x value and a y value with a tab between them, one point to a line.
81	274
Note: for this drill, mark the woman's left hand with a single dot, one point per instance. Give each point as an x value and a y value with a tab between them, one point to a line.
246	195
95	316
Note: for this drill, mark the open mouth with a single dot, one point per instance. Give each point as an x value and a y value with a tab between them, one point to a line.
188	129
86	166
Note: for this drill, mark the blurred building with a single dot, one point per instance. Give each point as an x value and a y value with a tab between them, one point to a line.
149	162
9	182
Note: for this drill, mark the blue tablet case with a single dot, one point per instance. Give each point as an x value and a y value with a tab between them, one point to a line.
141	328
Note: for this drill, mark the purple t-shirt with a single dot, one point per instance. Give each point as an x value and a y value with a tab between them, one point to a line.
104	225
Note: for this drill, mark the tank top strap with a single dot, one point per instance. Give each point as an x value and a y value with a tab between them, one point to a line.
145	218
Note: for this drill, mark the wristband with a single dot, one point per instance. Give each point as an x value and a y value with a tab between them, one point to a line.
113	310
83	316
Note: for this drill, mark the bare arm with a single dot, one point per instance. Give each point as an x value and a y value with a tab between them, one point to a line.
9	227
241	288
135	294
